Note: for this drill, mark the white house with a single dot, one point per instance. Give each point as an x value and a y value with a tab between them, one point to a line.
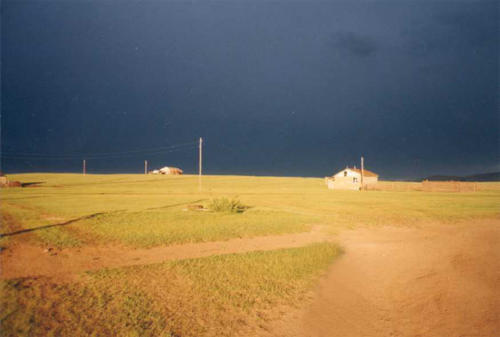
350	179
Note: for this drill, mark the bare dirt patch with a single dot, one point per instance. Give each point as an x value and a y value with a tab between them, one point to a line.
435	280
23	260
431	281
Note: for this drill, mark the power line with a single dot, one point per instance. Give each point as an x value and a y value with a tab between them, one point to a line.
101	155
158	149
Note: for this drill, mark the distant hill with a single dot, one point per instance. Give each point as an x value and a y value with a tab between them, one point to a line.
444	178
493	176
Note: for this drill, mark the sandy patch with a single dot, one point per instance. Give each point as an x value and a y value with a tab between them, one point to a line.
23	260
431	281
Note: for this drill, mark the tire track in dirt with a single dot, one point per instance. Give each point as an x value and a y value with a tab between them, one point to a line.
23	260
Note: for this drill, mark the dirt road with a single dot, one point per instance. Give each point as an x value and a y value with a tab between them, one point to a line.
435	281
432	281
24	260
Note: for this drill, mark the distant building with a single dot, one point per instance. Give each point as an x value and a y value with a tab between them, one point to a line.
170	170
3	180
350	179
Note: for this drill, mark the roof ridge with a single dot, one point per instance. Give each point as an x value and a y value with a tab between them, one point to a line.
365	171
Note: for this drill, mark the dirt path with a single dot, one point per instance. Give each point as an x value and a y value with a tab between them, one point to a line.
433	281
24	260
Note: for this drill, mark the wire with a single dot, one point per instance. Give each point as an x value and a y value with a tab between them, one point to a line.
103	155
97	157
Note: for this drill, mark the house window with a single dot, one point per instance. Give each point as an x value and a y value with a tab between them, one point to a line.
345	173
354	180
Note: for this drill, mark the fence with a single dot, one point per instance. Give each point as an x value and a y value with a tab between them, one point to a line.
449	186
399	186
426	186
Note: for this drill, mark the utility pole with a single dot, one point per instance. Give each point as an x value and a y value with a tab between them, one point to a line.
200	158
84	167
145	167
362	171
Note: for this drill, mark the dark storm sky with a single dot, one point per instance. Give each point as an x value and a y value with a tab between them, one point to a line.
274	87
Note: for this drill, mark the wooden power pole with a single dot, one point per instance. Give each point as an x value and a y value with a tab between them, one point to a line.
84	167
145	167
362	171
200	161
200	156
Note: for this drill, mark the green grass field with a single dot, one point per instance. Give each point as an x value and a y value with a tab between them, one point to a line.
212	296
199	297
146	210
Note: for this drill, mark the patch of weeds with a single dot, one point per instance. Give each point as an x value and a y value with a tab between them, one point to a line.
226	205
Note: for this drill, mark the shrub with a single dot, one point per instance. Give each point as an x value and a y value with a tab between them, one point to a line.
226	205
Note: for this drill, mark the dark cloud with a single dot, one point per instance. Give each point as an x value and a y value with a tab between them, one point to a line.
468	24
444	28
355	44
281	88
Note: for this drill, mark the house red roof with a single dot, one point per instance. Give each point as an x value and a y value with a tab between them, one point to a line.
366	172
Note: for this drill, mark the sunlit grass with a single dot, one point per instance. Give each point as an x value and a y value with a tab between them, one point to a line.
164	227
41	307
20	218
147	210
214	296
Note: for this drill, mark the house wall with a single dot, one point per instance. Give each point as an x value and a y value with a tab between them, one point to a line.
343	183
